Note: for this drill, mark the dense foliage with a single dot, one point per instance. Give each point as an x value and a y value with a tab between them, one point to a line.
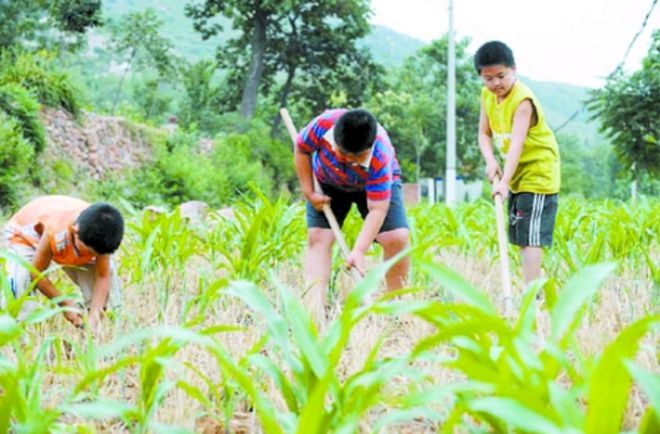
628	110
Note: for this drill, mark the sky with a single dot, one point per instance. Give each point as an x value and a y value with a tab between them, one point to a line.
566	41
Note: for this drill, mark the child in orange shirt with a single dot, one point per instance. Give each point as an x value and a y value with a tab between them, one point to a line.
72	233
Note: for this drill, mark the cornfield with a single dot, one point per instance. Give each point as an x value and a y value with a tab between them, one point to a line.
213	337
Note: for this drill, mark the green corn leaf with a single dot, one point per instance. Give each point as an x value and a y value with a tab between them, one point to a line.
100	409
565	404
649	382
243	377
289	391
304	332
313	415
195	393
9	329
7	399
577	291
251	295
609	384
458	286
527	313
650	423
515	414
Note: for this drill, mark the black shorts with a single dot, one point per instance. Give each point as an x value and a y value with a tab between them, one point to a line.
532	218
341	204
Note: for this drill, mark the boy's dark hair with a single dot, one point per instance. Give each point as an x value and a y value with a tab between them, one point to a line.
493	53
355	131
101	227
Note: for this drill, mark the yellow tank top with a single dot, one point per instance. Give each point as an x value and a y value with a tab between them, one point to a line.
538	170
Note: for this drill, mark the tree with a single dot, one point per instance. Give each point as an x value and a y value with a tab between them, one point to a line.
76	16
316	41
137	36
311	38
628	109
413	110
251	19
23	21
196	106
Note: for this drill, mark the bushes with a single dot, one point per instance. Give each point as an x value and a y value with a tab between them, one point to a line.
17	102
244	156
16	154
34	71
179	173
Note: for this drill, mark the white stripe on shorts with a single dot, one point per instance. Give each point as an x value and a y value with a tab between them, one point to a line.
535	222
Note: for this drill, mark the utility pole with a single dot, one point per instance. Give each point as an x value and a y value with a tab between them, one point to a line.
450	172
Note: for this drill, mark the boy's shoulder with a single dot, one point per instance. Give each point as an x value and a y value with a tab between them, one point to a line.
329	117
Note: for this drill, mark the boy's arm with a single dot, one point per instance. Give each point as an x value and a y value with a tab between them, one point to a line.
521	121
41	261
372	224
303	163
307	143
486	146
102	271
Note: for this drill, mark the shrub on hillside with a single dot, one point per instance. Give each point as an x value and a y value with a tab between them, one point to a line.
37	73
18	103
180	172
242	157
16	154
252	139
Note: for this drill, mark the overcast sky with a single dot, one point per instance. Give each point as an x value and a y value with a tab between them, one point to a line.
568	41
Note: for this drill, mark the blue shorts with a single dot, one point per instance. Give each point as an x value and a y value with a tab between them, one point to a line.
343	200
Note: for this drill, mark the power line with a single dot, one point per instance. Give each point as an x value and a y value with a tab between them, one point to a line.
618	67
639	32
567	121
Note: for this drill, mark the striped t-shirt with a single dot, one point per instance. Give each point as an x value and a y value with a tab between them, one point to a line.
374	175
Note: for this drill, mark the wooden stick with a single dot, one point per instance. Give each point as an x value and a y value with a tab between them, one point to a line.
504	253
327	211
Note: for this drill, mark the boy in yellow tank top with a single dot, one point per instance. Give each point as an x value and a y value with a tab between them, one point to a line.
74	234
512	119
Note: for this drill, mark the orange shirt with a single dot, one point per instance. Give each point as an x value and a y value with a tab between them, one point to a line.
56	215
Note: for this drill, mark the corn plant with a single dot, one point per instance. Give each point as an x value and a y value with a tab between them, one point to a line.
307	376
512	385
163	241
263	234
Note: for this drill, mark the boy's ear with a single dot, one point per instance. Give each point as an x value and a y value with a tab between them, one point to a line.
75	228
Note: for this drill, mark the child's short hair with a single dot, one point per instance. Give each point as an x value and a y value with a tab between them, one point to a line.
101	227
493	53
355	131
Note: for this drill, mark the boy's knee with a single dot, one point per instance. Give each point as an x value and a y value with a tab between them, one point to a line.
394	241
320	237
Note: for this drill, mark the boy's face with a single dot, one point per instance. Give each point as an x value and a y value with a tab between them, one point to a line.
499	79
80	247
351	158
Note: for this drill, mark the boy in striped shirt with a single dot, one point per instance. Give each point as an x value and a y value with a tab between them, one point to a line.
351	156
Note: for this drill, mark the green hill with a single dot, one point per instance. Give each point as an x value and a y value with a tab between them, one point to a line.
176	26
563	105
389	47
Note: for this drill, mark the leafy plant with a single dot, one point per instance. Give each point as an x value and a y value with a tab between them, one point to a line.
36	72
16	155
17	102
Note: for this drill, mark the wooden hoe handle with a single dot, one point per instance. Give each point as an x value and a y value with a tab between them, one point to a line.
327	211
504	253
